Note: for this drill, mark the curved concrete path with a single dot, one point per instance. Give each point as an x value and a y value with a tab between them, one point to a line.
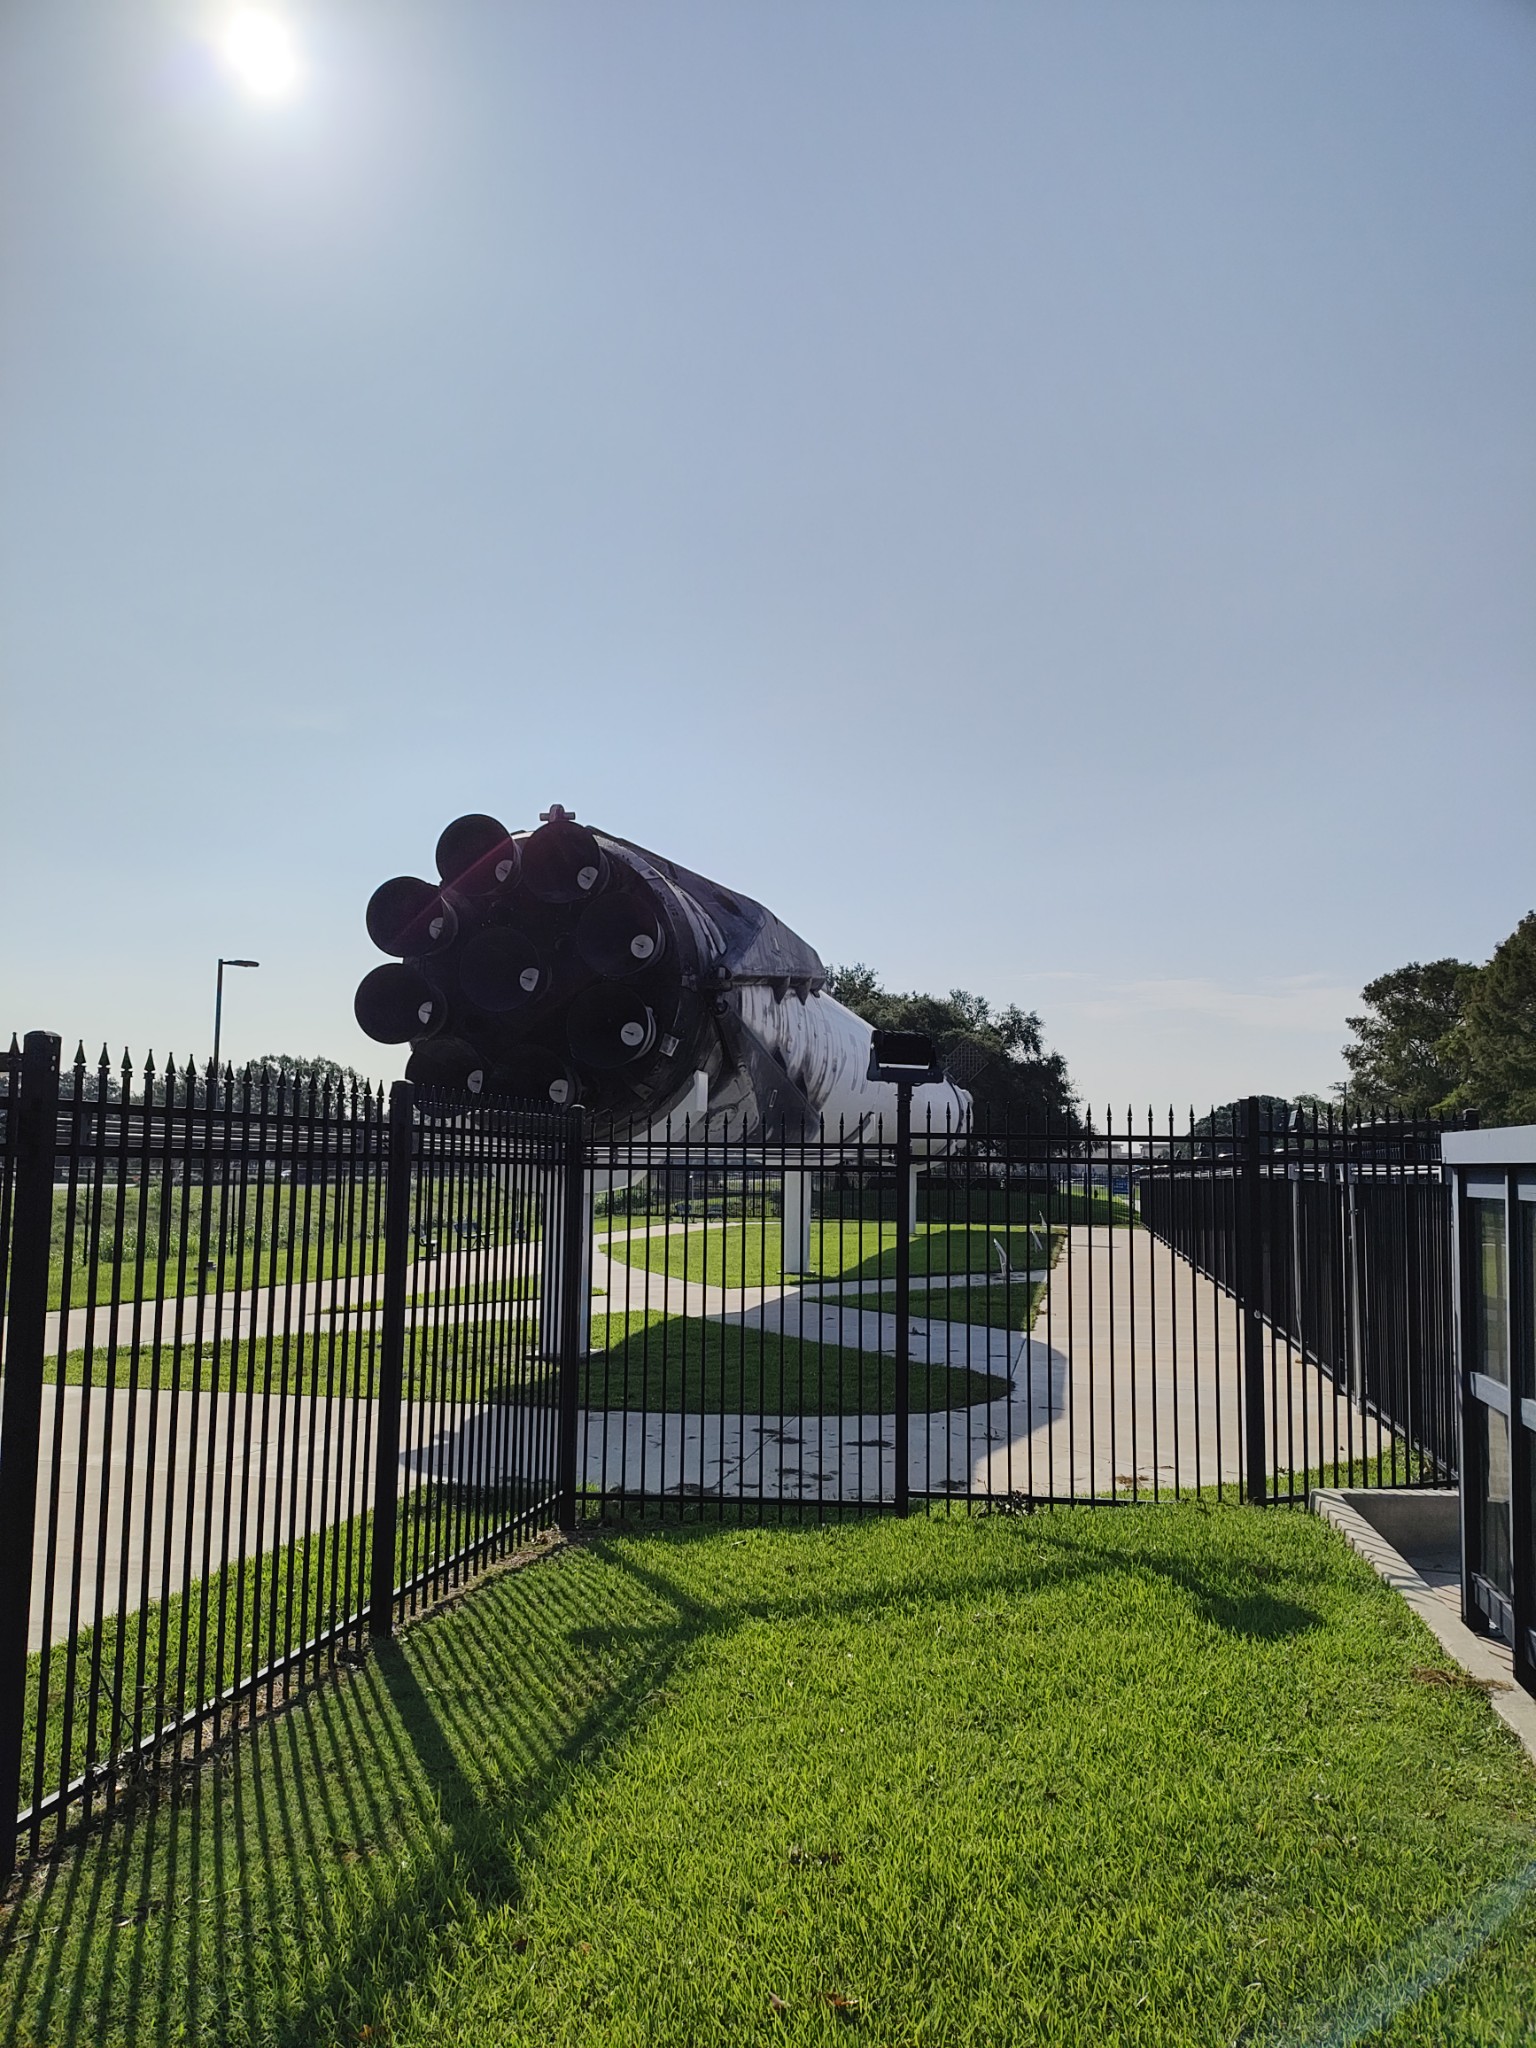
1129	1384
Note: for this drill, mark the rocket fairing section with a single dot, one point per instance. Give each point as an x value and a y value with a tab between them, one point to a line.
567	965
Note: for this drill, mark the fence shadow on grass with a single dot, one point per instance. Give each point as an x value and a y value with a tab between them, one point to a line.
293	1888
281	1891
1239	1599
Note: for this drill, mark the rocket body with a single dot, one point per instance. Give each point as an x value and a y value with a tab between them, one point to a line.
565	965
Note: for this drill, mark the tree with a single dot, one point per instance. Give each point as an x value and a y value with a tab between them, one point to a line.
289	1078
1493	1045
1229	1121
315	1068
1230	1117
1403	1056
999	1056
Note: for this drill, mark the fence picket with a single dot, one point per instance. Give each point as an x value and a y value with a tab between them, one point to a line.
36	1111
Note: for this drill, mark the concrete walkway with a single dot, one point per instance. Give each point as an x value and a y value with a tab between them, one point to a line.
232	1475
1130	1383
1412	1540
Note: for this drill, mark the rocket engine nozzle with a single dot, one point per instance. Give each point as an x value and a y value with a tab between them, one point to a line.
409	917
538	1074
610	1027
622	933
563	863
395	1004
447	1063
501	969
477	854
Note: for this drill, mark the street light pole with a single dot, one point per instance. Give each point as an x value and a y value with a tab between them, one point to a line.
218	1005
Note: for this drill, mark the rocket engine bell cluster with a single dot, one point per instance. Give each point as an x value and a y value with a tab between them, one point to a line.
564	965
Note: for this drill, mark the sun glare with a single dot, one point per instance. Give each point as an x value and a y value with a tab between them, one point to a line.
259	48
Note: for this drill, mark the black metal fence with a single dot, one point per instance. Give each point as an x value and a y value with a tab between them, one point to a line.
274	1374
1336	1235
282	1362
1137	1309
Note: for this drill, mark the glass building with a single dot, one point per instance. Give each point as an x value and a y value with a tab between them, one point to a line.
1494	1179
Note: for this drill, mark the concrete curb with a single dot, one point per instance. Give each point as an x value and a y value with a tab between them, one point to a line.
1481	1658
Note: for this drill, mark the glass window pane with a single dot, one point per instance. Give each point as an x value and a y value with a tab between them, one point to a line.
1526	1211
1495	1502
1490	1281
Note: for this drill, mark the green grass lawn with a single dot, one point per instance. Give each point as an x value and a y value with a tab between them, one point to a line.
650	1360
749	1254
190	1239
643	1358
190	1647
1166	1776
994	1308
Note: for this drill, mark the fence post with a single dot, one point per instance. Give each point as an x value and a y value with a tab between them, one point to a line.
574	1279
397	1251
36	1111
1251	1270
903	1295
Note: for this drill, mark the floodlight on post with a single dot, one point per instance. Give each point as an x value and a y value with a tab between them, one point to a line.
907	1059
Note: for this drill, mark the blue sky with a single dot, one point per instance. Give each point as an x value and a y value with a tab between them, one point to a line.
1042	495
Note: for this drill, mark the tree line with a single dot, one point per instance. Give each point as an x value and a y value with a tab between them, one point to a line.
999	1055
1441	1036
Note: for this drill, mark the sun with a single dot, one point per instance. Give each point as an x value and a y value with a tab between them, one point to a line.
259	48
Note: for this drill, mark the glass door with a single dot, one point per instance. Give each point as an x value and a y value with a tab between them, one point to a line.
1523	1429
1498	1236
1486	1446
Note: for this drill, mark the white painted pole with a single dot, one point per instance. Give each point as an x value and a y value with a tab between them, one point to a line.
797	1221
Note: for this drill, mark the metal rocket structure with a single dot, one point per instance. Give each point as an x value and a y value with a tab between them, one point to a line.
566	965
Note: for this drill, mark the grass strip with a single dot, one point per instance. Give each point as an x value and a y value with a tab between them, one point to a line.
993	1308
130	1242
997	1205
482	1354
